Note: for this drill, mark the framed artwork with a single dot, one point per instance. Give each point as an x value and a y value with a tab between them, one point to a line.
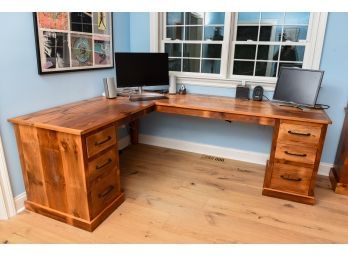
73	41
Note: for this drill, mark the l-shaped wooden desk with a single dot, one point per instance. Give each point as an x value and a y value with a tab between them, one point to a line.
70	162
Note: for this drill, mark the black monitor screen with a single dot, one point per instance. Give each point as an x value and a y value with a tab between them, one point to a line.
299	86
141	69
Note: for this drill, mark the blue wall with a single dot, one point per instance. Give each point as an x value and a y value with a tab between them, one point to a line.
334	62
23	91
251	137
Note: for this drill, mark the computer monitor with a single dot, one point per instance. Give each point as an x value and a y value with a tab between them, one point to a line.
298	86
141	69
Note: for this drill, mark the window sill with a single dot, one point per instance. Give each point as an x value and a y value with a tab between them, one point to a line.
268	84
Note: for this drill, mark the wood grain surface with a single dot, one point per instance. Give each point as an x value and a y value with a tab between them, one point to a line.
247	108
180	197
88	115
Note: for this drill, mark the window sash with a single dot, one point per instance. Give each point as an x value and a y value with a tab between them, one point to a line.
224	46
304	43
313	48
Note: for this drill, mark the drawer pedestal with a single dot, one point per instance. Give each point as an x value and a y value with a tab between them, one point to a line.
71	178
294	161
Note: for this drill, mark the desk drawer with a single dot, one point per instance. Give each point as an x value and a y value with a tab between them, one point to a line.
291	178
108	162
100	140
295	153
299	134
103	191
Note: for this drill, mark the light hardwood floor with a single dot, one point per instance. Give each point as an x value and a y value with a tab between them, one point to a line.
179	197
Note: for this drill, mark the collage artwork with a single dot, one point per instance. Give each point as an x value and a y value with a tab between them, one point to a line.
74	40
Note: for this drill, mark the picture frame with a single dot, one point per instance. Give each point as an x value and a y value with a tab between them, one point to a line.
73	41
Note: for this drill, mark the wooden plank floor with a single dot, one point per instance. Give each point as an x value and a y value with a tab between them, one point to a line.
179	197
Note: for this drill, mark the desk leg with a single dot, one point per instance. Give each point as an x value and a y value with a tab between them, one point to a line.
134	131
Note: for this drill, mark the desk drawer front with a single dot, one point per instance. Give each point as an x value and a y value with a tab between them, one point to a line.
299	134
103	164
103	191
296	153
291	178
100	140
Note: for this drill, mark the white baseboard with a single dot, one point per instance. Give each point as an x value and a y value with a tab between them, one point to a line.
188	146
19	202
229	153
123	142
324	168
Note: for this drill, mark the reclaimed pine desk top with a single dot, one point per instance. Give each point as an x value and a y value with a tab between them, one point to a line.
87	115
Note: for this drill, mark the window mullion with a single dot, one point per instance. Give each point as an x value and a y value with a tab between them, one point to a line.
257	45
309	51
226	44
233	38
182	44
280	46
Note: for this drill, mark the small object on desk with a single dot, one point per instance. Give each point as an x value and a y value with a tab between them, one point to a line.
172	85
110	87
182	90
258	93
242	92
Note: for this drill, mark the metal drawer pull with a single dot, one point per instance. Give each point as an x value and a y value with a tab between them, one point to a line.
299	134
107	191
104	164
296	154
103	141
287	177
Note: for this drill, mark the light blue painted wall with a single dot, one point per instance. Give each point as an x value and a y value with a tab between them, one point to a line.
23	91
335	84
31	92
251	137
140	40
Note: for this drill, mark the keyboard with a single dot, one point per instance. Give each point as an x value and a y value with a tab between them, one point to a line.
134	98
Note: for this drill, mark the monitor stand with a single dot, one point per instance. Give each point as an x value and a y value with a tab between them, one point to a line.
142	95
142	92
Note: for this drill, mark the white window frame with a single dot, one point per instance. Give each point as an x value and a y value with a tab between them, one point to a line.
7	203
314	45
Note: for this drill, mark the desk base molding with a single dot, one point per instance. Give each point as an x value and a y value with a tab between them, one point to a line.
71	220
338	188
288	196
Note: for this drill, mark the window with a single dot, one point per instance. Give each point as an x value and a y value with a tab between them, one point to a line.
264	42
193	41
230	48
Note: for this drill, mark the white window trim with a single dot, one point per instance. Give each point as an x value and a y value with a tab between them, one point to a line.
7	204
317	27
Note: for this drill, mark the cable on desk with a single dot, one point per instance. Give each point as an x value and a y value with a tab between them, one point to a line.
315	107
266	97
320	107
